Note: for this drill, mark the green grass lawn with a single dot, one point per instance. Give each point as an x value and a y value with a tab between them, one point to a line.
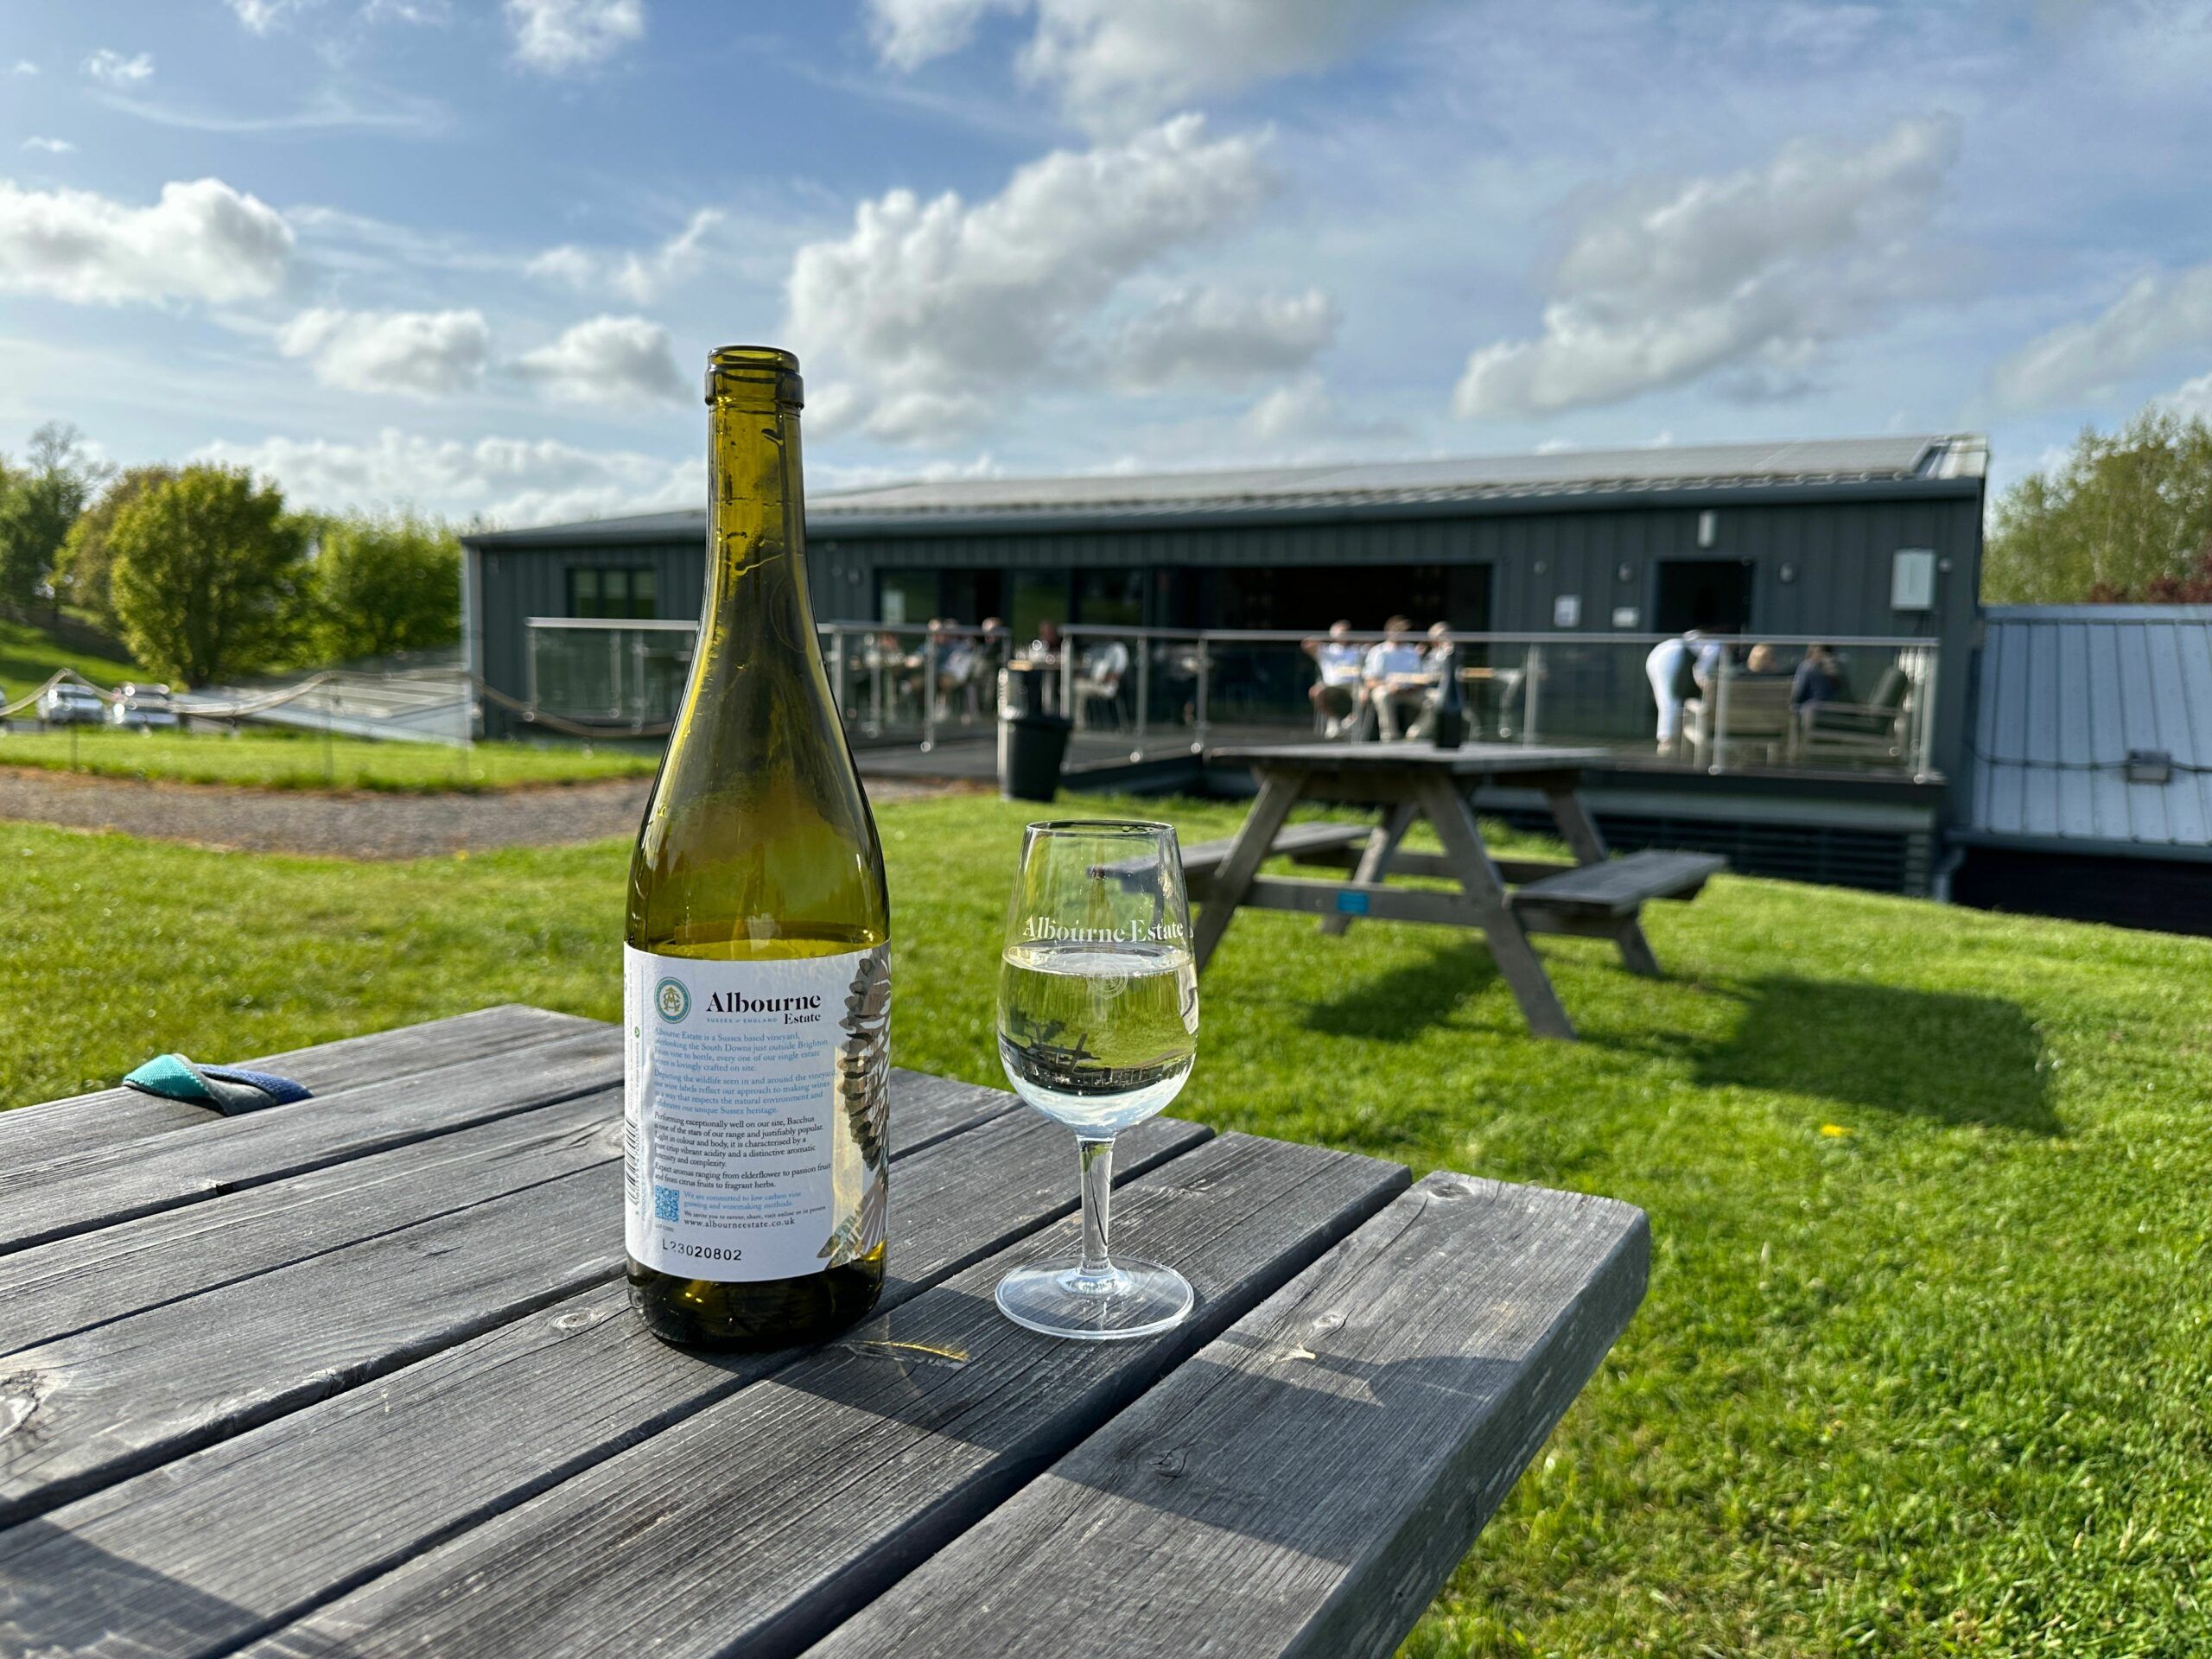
29	656
288	760
1923	1368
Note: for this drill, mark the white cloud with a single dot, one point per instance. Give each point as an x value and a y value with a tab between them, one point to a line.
416	353
262	15
1745	276
117	70
25	67
1115	63
2158	314
909	33
202	240
638	277
617	360
929	315
1304	415
49	146
558	36
2192	399
1212	335
504	481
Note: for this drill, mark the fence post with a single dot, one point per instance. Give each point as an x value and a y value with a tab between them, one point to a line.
1206	679
1923	699
1723	672
1144	686
1532	670
1067	674
929	695
837	670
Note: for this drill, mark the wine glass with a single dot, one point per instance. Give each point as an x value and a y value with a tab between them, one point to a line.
1098	1026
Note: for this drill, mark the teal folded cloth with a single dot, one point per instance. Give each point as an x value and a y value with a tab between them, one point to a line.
229	1089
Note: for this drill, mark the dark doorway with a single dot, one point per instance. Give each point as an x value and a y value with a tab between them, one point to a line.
1715	594
1314	596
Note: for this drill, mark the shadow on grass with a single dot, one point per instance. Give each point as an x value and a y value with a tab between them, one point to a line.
1958	1059
1399	1005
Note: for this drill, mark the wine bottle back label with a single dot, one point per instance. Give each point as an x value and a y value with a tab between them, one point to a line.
756	1110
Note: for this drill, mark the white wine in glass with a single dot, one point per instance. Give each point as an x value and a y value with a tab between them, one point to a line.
1098	1028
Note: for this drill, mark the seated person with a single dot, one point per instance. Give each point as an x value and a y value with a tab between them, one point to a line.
1817	680
1098	677
1764	659
1337	697
1439	660
1397	687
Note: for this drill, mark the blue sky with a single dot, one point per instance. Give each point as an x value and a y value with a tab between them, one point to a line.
469	254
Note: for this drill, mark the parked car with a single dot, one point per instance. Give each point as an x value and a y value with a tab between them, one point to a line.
69	704
142	708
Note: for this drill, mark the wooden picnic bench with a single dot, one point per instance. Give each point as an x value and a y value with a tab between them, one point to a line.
356	1377
1596	897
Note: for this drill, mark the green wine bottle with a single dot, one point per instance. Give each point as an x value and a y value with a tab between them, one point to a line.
756	962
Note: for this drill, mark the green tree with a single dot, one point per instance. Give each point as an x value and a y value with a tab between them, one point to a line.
82	572
2126	515
208	576
38	503
385	584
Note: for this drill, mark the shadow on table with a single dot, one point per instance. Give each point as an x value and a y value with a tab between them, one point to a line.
1008	1405
59	1594
1401	1005
1957	1059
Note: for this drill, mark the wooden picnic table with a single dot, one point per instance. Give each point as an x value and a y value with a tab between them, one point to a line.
356	1376
1595	897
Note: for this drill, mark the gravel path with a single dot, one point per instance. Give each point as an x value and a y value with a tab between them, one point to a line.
363	825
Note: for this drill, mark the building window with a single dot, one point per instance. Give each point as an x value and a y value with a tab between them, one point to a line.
624	592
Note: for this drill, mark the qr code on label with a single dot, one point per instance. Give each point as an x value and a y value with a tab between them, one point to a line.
663	1203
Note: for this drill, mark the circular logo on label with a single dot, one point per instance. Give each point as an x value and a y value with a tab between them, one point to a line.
673	1001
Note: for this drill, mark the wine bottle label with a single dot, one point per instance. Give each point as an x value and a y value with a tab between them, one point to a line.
756	1112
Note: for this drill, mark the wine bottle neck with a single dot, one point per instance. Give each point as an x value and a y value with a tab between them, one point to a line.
756	586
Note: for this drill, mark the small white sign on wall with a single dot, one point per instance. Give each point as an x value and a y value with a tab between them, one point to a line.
1626	616
1567	611
1912	580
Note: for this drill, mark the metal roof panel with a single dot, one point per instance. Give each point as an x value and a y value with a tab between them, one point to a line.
2066	693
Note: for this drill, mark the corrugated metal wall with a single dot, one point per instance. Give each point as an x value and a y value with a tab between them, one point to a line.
2064	693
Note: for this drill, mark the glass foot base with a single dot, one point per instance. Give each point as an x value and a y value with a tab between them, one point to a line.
1132	1299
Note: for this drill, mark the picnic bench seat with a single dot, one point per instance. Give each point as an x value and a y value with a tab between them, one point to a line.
1301	842
1616	886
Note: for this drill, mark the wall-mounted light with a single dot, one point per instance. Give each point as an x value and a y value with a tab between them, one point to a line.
1626	573
1538	568
1788	573
1708	528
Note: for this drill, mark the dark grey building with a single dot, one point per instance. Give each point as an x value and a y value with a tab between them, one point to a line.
1871	538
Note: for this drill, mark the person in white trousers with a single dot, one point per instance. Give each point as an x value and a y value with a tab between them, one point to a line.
1663	668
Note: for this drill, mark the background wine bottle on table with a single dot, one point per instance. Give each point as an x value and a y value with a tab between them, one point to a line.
756	966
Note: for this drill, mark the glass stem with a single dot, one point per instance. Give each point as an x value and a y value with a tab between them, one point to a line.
1097	1162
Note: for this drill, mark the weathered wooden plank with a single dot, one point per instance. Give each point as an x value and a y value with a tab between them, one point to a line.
1306	1485
1297	840
1469	759
102	1185
31	1135
756	1525
205	1553
74	1284
1618	886
1305	896
96	1406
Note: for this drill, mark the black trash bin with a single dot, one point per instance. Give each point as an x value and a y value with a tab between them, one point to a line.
1032	743
1035	745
